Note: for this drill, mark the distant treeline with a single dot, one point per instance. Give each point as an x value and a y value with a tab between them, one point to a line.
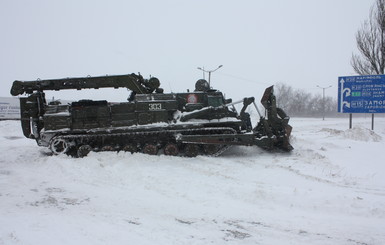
299	103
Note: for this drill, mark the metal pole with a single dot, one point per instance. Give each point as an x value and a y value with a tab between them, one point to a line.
323	100
209	78
350	120
372	121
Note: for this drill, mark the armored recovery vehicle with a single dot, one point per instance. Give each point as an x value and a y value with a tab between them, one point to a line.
189	123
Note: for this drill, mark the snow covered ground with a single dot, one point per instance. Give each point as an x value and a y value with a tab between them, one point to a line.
329	190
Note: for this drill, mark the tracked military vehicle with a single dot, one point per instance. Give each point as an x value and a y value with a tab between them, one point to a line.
151	121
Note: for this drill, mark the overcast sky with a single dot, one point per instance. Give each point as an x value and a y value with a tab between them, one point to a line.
303	43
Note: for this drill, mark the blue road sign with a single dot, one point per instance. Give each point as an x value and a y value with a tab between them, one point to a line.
361	94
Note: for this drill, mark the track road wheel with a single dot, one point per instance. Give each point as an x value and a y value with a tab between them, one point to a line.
84	150
59	146
150	149
211	149
191	150
171	149
107	148
130	148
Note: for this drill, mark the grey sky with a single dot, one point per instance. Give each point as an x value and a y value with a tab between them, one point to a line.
303	43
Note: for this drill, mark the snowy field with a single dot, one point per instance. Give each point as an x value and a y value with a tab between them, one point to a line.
329	190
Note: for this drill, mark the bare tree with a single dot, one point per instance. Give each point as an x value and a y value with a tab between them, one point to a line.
284	95
370	43
297	102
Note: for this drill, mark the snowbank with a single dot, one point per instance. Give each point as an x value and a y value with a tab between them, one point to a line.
355	133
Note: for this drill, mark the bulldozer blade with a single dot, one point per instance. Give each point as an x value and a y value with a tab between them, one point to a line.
266	96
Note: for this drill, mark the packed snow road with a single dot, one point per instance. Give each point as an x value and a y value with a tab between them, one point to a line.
329	190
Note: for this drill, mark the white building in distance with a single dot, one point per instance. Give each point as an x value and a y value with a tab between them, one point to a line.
9	108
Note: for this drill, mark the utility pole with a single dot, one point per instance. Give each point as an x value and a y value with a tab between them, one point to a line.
209	72
323	100
203	71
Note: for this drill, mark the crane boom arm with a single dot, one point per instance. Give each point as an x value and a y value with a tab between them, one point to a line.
133	82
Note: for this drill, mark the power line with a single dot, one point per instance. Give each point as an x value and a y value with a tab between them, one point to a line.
241	78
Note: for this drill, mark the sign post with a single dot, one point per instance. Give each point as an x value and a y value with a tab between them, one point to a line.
361	94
